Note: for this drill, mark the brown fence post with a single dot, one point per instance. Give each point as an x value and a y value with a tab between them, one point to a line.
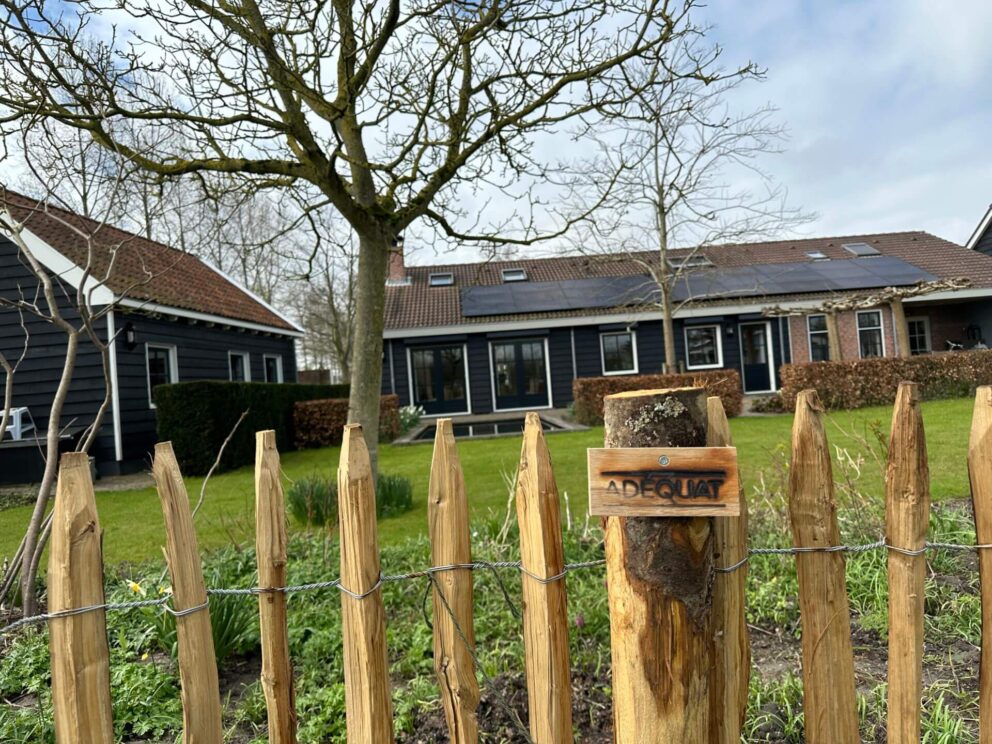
660	574
731	644
451	545
980	474
199	687
549	674
80	659
270	553
830	705
907	516
368	699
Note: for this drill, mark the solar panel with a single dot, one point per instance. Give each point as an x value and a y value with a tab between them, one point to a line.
707	284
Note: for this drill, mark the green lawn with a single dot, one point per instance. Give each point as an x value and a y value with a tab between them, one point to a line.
132	520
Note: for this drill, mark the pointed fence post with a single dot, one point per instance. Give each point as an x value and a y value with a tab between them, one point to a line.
660	575
447	514
732	646
980	474
549	674
80	657
199	687
270	553
907	517
830	705
368	698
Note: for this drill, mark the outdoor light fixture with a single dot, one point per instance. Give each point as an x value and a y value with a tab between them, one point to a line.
130	337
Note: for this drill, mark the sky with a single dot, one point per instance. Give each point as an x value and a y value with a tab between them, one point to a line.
888	105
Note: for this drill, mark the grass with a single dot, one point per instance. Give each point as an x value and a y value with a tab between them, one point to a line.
132	520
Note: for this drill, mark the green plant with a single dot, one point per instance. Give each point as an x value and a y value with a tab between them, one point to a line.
313	501
320	423
393	495
409	417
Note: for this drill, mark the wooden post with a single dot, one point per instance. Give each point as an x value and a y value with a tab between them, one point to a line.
549	674
660	577
732	646
980	474
830	705
902	327
200	690
833	338
368	698
447	515
80	659
907	516
270	552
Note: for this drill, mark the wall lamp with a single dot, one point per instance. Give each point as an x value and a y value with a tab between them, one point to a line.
130	336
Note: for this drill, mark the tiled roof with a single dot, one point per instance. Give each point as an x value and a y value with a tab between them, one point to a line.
418	305
143	270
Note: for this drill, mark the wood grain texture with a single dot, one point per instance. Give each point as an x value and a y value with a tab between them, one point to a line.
660	580
549	675
980	474
270	552
830	705
833	338
631	482
78	643
731	643
907	517
200	691
447	516
368	697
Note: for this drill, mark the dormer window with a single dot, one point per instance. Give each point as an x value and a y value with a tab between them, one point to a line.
443	279
514	275
817	255
860	249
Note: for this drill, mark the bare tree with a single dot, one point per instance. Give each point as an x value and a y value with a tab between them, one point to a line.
677	147
394	111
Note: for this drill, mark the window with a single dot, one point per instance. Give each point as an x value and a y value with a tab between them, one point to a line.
703	347
870	337
619	353
160	363
514	275
694	261
919	335
819	338
239	368
273	367
818	255
445	279
860	249
438	379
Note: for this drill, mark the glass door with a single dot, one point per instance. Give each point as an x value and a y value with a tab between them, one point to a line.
439	379
756	361
520	374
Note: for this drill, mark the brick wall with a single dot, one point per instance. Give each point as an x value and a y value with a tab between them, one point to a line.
847	326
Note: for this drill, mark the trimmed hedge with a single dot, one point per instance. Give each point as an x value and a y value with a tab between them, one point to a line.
588	392
873	382
320	423
198	416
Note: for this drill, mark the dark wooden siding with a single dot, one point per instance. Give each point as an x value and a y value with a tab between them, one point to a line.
38	375
202	354
984	243
560	364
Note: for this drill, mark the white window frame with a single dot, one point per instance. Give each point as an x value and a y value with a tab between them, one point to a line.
173	367
278	358
547	374
769	353
518	274
881	330
810	332
602	352
410	380
719	345
925	319
441	279
247	360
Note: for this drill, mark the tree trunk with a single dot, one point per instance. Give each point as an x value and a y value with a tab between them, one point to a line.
671	365
833	339
902	328
366	362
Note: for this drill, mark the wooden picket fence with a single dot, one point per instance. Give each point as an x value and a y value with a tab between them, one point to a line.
673	673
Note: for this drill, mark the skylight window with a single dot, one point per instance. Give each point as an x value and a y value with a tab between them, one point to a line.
860	249
444	279
514	275
818	255
696	261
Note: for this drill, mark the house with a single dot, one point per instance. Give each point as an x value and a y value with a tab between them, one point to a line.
170	317
512	335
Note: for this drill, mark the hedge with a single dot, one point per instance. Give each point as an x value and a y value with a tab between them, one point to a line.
320	423
588	392
873	382
198	416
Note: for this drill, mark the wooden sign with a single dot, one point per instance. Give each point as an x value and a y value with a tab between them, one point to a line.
664	482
